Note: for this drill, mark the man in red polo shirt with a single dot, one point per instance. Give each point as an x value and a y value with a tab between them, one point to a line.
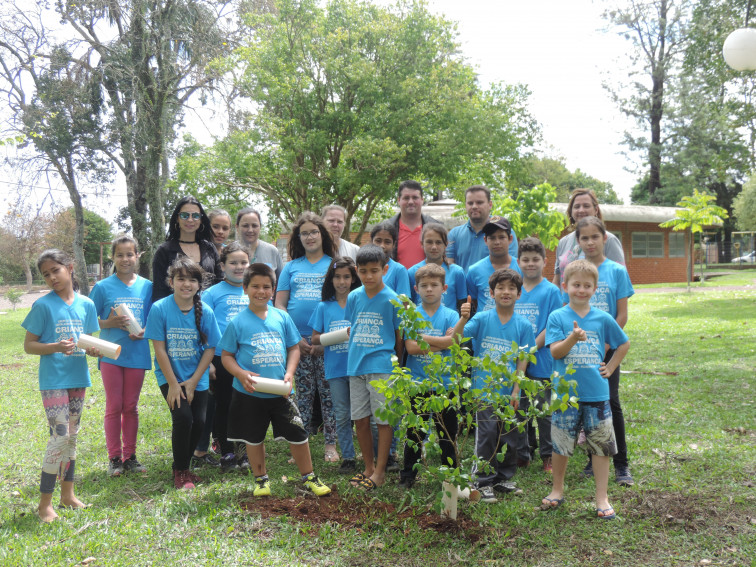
408	249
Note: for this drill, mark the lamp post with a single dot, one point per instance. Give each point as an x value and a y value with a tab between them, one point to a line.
739	49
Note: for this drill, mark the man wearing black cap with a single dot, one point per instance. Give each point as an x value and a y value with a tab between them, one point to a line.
498	237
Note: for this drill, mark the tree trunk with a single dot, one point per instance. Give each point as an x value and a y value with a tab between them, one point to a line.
29	277
658	76
689	254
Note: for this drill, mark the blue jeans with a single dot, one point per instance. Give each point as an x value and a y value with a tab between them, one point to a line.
342	414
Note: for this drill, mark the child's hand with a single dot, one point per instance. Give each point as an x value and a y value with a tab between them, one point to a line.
248	381
349	329
66	346
92	351
138	337
466	308
604	370
189	386
287	381
578	333
305	349
317	350
175	393
116	321
515	400
211	371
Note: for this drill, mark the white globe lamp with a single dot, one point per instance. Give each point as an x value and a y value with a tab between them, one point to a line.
739	49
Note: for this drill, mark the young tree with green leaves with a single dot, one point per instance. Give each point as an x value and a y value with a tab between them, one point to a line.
529	213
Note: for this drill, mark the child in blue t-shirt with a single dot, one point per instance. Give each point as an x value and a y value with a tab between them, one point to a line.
340	279
430	286
227	300
373	338
539	298
384	235
493	334
576	335
612	293
53	327
123	378
184	334
263	342
434	238
498	237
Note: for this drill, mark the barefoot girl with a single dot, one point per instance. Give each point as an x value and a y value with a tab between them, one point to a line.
123	378
184	335
52	328
340	279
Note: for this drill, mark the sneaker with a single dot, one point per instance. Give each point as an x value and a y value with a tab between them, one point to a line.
392	465
181	480
206	460
243	462
587	472
348	466
262	487
487	494
228	463
547	467
313	485
506	487
115	467
406	482
132	465
193	477
623	477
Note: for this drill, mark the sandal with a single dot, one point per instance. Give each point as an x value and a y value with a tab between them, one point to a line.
550	503
366	485
605	513
357	479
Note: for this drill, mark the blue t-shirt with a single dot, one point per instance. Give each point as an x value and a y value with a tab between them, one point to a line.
178	330
260	345
491	338
455	280
467	246
226	301
613	285
304	282
372	339
441	321
329	316
53	320
111	292
536	305
477	282
585	356
397	279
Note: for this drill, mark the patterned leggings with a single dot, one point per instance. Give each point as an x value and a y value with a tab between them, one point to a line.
309	377
63	410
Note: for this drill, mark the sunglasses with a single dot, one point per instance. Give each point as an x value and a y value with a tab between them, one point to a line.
187	216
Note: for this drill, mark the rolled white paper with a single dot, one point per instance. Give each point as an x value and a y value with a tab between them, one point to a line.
123	311
108	349
271	386
335	337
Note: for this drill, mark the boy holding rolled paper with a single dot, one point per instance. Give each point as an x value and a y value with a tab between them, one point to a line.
260	347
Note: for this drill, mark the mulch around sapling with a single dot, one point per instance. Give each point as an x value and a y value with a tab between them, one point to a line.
361	512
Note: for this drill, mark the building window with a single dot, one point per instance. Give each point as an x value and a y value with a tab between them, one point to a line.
676	244
648	245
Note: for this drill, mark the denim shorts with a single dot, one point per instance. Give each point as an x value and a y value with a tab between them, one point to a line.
595	418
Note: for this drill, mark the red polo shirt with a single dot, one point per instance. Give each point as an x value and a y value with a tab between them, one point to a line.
409	250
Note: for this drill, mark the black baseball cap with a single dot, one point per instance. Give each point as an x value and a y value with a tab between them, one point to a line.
501	224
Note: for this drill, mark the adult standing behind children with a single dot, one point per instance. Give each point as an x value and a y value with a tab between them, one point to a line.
583	203
311	250
498	238
190	235
220	223
467	241
248	225
409	224
334	217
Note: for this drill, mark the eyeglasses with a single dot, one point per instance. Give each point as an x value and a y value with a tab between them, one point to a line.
187	216
311	234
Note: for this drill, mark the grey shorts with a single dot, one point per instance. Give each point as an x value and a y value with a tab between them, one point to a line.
364	398
595	418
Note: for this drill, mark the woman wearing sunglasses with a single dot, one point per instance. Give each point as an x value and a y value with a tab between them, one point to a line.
189	234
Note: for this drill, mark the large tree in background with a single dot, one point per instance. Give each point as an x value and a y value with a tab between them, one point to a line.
657	34
351	98
553	171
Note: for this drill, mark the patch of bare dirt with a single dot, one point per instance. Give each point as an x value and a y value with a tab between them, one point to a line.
360	512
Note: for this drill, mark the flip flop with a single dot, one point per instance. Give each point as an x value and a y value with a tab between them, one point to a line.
366	485
357	479
605	513
550	503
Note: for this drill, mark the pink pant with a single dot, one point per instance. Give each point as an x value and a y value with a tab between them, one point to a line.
122	388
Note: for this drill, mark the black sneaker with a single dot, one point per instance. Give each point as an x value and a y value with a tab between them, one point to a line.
132	465
206	460
623	477
348	466
487	494
228	463
406	482
392	465
115	467
587	472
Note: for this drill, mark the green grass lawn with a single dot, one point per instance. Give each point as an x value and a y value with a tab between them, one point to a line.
692	444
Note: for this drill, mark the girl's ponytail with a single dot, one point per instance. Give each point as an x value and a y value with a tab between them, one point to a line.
198	317
184	265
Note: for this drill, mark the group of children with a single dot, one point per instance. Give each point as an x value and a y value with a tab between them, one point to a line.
241	339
